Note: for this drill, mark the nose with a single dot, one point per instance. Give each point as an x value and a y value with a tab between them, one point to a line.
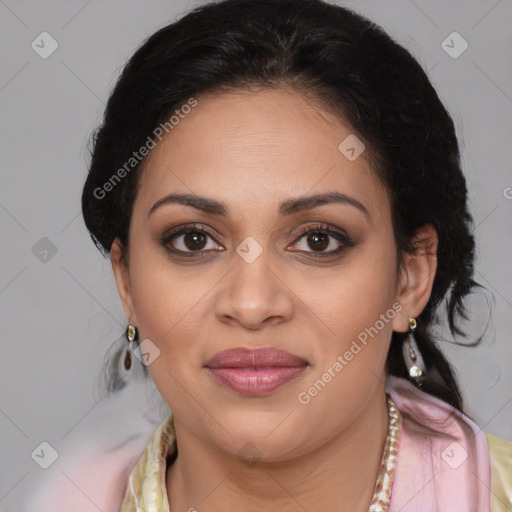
254	295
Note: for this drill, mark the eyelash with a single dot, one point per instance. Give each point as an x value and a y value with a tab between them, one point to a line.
343	238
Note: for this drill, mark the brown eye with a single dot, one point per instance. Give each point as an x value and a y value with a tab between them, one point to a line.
318	241
194	240
188	240
321	237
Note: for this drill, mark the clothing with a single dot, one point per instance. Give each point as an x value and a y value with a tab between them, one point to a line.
445	463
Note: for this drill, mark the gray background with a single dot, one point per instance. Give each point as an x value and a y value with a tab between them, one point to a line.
59	317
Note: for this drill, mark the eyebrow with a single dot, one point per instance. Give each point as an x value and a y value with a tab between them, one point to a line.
288	206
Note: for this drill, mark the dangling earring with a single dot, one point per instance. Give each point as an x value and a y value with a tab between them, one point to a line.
412	356
131	334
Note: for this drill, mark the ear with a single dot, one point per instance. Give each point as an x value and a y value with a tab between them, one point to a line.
417	277
122	277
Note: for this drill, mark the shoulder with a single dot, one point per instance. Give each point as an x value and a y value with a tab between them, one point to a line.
95	459
500	455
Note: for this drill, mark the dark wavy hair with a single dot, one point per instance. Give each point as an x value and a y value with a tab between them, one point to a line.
347	64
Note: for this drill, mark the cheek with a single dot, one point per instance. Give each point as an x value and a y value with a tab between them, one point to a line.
355	296
163	296
164	304
358	309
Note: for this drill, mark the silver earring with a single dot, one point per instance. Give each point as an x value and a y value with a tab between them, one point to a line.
131	334
412	356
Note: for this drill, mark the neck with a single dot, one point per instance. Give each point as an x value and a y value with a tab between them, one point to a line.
339	475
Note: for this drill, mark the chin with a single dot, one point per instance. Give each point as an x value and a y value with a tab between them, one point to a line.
271	436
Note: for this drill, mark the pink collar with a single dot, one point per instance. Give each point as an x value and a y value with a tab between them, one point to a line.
443	456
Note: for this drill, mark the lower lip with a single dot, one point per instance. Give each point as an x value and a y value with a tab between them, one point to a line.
251	382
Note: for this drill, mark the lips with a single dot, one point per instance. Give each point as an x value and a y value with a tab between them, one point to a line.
254	372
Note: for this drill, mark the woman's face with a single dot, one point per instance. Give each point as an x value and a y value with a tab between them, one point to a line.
248	275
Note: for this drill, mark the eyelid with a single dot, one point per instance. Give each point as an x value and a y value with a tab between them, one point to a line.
322	226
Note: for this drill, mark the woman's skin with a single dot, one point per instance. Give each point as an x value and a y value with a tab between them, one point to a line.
252	150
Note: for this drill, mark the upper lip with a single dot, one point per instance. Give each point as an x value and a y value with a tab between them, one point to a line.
243	357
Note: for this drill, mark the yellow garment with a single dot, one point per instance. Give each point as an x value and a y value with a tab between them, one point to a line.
146	489
500	452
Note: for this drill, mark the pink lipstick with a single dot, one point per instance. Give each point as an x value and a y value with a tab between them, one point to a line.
255	372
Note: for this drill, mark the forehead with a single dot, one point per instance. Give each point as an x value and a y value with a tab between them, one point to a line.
253	148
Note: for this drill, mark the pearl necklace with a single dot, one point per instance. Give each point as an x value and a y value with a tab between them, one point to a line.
382	492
